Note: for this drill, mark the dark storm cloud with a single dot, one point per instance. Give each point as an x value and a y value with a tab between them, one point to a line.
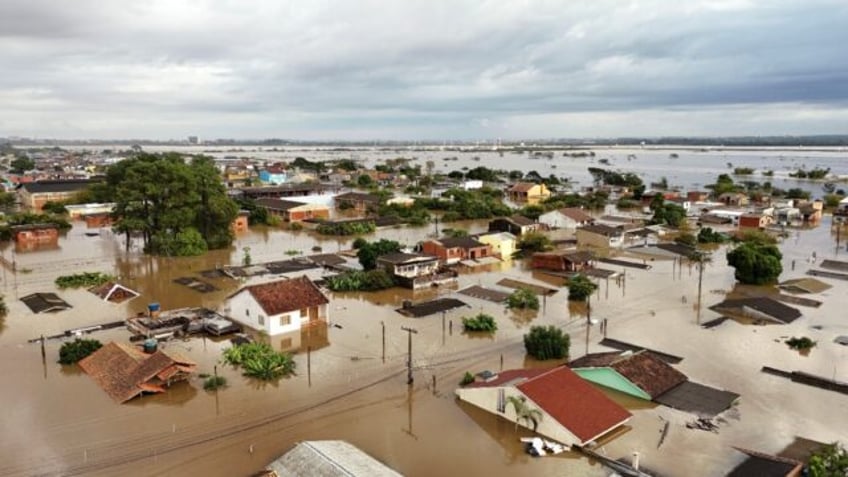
415	69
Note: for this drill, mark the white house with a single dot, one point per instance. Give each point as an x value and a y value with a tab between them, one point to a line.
472	184
600	236
279	307
571	411
567	218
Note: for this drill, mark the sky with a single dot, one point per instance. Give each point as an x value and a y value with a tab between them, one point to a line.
422	70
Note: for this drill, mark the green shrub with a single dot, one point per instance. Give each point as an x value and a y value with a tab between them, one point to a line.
346	228
467	379
547	342
369	280
73	351
801	343
523	299
580	288
85	279
481	322
214	382
260	361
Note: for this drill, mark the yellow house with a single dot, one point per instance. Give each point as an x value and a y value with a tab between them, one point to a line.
528	192
502	243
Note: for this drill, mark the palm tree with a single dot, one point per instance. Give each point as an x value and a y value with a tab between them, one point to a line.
524	412
702	259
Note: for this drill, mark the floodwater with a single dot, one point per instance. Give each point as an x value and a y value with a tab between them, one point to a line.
692	167
56	421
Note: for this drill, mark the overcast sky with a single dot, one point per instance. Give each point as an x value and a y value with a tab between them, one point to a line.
408	69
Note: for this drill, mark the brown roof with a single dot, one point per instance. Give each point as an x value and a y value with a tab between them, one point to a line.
522	187
521	220
509	377
125	372
580	407
284	296
648	372
576	214
601	229
278	204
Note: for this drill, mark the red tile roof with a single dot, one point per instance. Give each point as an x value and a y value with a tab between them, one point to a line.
125	372
284	296
576	214
522	187
575	404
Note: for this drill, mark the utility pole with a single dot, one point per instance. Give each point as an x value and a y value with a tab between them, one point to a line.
409	331
383	324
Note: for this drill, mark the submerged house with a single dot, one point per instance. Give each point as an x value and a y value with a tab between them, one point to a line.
602	236
454	249
280	306
639	374
516	225
125	372
568	261
416	271
502	243
572	411
528	192
294	211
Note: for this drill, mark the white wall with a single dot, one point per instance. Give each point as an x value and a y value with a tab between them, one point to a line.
244	309
558	220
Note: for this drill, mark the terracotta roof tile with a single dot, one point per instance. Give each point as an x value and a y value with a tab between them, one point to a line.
522	187
576	214
125	372
577	405
644	369
284	296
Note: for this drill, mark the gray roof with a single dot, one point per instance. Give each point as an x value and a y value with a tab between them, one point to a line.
397	258
57	186
278	204
460	242
329	459
767	306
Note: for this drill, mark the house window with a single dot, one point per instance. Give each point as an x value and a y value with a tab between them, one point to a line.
285	320
261	319
304	312
286	343
246	312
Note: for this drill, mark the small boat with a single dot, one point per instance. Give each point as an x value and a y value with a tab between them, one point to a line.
92	234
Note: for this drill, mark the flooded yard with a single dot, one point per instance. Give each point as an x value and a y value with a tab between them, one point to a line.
347	387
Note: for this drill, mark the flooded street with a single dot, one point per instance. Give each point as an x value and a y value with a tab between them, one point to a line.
347	388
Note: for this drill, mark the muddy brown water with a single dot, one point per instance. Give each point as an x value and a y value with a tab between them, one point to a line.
56	421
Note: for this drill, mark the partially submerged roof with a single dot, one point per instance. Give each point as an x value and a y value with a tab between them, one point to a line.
45	302
358	197
698	399
124	372
522	186
647	371
761	464
113	292
328	459
601	229
805	285
430	307
283	296
54	186
581	408
769	307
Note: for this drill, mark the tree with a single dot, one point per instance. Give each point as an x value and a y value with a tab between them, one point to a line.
169	202
523	299
481	322
580	288
755	263
708	235
533	242
364	181
523	412
547	342
73	351
7	200
21	164
532	212
829	461
368	253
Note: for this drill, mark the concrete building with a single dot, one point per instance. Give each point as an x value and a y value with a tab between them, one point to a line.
503	244
568	218
279	307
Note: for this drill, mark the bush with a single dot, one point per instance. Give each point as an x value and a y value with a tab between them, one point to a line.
481	322
523	299
73	351
214	382
369	280
533	242
708	235
580	288
346	228
801	343
185	243
687	239
547	342
467	379
85	279
260	361
295	226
